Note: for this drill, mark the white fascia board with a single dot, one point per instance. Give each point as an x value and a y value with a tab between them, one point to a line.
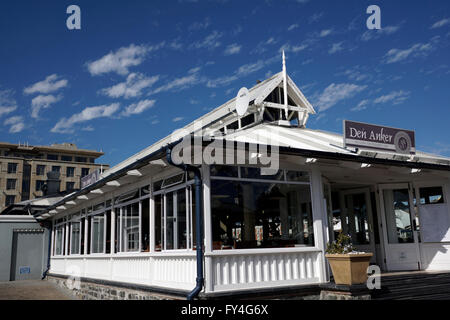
299	95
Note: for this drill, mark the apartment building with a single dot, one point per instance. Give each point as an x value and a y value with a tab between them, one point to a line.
23	169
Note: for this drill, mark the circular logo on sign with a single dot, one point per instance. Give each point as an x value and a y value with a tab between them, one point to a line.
402	142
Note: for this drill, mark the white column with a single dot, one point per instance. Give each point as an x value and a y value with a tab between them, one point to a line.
207	227
319	219
53	235
207	208
140	225
86	227
152	219
66	244
113	229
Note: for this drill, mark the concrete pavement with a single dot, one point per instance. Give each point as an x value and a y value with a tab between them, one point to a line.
33	290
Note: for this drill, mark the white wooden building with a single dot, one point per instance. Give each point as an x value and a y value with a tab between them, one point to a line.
261	229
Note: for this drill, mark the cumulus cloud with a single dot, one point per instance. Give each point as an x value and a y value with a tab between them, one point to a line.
121	60
335	93
7	103
361	106
43	102
138	108
232	49
65	125
376	33
242	71
418	49
336	47
325	33
131	88
192	78
210	42
396	97
440	23
16	124
50	84
293	26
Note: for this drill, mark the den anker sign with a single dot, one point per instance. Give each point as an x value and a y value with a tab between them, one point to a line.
369	136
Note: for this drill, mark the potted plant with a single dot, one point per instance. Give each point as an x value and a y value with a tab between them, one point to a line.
348	265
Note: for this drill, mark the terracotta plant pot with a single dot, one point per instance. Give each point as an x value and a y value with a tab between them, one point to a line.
349	269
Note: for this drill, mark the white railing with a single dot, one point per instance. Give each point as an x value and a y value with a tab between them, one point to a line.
247	270
174	271
225	270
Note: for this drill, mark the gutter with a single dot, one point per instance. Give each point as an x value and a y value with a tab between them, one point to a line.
49	228
198	221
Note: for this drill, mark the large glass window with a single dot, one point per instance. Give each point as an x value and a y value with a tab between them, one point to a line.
75	237
98	233
59	240
130	228
70	171
260	214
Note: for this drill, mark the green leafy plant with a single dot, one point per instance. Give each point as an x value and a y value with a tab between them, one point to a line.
342	245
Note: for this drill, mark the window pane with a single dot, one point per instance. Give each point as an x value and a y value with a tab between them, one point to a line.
255	173
224	171
398	216
431	195
169	227
260	215
181	242
98	231
159	213
130	228
299	176
75	238
145	227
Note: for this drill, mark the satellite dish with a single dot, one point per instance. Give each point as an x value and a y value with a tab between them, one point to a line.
242	101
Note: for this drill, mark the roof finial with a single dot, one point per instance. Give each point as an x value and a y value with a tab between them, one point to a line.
285	87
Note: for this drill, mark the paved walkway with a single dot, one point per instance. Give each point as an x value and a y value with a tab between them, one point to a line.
33	290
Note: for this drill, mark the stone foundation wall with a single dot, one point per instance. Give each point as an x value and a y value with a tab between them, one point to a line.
94	291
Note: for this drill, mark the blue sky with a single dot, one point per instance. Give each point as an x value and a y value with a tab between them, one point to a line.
138	70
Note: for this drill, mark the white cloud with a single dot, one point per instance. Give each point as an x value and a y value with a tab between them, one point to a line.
138	108
200	25
176	119
121	60
179	83
43	102
131	88
440	23
241	72
336	47
65	125
335	93
325	33
418	49
7	103
16	123
293	26
232	49
210	42
51	83
361	106
376	33
397	97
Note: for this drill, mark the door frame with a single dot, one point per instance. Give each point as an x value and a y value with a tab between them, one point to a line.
382	225
344	213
